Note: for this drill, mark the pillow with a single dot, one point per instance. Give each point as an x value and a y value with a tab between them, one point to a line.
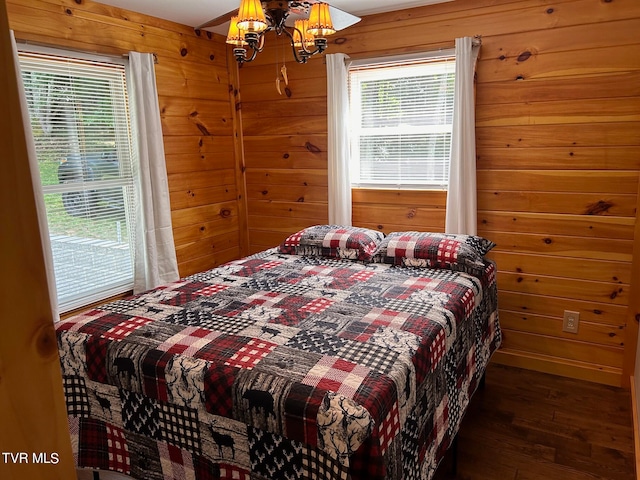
334	241
433	250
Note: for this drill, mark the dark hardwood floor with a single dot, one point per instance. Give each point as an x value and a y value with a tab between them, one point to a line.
527	425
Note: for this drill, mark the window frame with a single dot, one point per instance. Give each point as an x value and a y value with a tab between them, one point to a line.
379	68
125	148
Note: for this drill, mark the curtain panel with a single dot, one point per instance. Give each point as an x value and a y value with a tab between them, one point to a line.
338	139
155	255
461	215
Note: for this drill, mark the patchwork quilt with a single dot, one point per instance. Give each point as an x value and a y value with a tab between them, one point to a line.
280	366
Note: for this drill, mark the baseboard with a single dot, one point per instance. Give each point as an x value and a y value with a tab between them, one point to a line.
636	433
559	366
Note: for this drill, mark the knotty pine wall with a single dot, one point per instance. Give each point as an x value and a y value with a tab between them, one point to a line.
558	127
32	409
558	145
197	119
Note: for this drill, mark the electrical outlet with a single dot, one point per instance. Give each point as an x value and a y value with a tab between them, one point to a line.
571	321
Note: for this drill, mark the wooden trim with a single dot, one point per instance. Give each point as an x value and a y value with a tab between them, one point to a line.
84	308
558	366
636	430
33	414
238	139
633	311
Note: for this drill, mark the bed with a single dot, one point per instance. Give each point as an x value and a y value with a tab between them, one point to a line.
340	354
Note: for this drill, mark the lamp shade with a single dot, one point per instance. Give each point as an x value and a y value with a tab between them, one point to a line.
301	33
235	36
251	16
320	23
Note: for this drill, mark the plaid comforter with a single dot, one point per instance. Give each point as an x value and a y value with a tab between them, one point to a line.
280	367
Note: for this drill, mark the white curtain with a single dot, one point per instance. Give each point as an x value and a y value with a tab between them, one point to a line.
338	140
155	253
37	187
461	216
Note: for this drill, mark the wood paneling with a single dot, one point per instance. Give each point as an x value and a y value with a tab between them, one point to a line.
399	210
558	146
581	181
590	310
197	118
32	409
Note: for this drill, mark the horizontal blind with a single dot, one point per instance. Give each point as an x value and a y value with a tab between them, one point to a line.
401	120
79	115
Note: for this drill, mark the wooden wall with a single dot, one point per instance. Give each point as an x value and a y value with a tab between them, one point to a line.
197	119
32	410
558	143
558	122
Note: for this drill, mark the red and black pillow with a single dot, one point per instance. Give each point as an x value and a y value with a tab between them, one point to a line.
334	241
433	250
409	249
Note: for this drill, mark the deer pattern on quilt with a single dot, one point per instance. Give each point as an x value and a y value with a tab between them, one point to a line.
280	366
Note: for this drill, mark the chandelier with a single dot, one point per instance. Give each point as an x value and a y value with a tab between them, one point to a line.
255	18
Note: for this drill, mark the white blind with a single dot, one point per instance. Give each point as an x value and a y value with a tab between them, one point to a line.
80	120
401	120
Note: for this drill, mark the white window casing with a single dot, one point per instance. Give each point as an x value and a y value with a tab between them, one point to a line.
79	111
401	113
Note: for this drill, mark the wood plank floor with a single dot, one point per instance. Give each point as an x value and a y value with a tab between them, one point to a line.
527	425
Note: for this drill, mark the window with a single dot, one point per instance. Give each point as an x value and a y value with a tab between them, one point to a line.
78	107
401	123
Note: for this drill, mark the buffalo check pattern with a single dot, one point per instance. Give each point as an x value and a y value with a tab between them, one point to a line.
125	328
176	462
333	241
75	390
118	450
435	250
247	357
283	366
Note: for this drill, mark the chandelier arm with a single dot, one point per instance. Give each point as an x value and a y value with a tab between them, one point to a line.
261	46
241	55
304	48
254	53
257	44
298	58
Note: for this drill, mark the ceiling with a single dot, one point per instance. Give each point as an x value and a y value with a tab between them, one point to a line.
197	12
